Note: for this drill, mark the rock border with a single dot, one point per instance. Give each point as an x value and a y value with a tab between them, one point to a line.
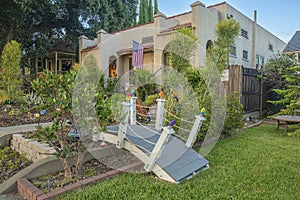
30	192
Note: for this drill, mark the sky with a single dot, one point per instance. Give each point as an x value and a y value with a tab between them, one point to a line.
282	18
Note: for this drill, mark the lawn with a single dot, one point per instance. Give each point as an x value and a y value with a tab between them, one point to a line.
259	163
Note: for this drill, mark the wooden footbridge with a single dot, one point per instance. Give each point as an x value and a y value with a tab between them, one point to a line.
164	154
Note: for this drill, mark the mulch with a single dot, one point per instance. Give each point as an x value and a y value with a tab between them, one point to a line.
11	164
54	181
13	115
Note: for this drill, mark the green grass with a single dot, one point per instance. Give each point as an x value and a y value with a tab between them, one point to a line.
259	163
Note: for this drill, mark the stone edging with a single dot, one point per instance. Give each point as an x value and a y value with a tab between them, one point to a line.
30	192
7	132
32	149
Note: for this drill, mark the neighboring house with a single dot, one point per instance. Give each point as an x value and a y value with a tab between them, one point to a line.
61	57
293	47
113	51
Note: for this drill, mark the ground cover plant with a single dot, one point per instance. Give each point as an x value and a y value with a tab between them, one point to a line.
258	163
11	162
56	180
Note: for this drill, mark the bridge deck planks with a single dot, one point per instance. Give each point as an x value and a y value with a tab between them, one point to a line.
176	159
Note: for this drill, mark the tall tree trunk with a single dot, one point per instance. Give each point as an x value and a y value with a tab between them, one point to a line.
9	35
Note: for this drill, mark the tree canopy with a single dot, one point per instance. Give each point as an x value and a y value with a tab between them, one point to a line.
147	11
36	23
226	31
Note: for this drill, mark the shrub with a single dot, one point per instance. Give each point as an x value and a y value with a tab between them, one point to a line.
3	96
10	70
33	99
234	114
151	99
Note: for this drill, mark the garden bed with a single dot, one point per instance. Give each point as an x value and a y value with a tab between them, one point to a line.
13	115
91	168
11	162
115	159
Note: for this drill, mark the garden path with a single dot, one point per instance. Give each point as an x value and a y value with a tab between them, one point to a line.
21	128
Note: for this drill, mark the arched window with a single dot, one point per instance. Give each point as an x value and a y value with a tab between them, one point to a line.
166	56
112	67
209	46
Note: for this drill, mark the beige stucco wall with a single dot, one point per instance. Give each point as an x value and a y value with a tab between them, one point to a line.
208	22
204	21
262	41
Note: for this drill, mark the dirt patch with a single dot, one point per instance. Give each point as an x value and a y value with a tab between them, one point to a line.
13	115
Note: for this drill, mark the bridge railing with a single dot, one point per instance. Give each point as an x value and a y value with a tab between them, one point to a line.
123	124
129	113
160	118
159	147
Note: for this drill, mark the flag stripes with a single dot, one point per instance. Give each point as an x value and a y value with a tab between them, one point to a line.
137	55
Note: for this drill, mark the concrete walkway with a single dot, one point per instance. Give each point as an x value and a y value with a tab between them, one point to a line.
5	137
7	132
21	128
12	196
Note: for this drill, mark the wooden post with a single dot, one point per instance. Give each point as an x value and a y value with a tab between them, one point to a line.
160	113
123	125
159	147
133	110
55	63
193	134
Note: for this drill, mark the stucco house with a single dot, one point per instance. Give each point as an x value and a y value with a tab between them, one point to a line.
113	51
293	47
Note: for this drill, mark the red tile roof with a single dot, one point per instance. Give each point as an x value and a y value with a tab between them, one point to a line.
186	25
146	47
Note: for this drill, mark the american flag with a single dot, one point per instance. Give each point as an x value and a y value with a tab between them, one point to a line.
137	55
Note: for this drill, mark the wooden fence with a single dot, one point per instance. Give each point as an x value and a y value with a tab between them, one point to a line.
246	82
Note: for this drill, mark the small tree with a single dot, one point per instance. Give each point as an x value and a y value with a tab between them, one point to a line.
227	30
10	69
181	49
56	90
205	80
144	79
275	70
291	93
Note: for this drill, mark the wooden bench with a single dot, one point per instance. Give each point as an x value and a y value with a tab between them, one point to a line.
286	119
